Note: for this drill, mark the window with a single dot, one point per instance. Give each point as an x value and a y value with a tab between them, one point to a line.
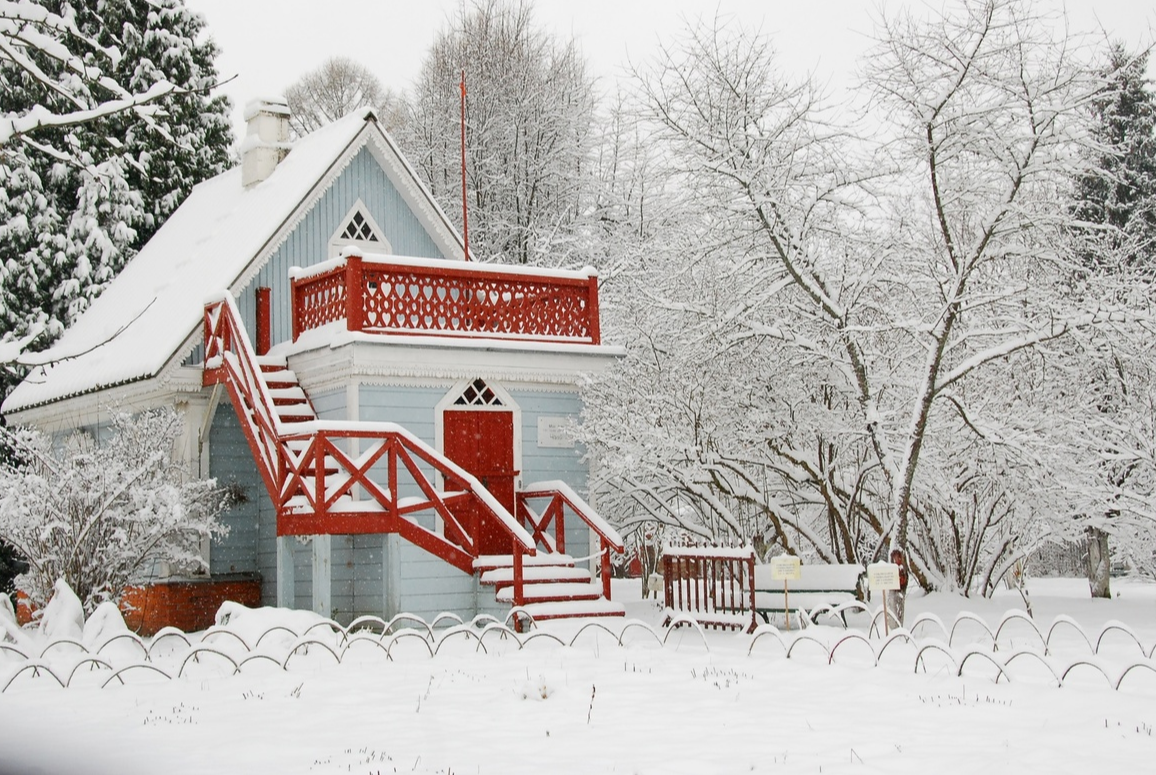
360	230
478	393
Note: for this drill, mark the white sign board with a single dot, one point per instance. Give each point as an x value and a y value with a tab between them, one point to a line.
786	567
555	432
882	576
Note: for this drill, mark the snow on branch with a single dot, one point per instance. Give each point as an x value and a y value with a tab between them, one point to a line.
50	49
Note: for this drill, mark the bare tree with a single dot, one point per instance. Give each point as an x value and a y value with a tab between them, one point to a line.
339	86
528	133
884	307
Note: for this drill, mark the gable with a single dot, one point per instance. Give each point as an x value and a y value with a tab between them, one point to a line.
364	180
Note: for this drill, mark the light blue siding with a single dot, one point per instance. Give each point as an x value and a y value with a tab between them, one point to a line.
308	243
330	405
231	463
410	407
544	463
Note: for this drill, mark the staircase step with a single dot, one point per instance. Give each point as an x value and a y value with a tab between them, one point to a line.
271	362
295	413
574	609
288	395
279	374
536	574
549	593
490	561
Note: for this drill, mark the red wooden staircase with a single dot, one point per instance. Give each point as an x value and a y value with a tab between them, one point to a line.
348	477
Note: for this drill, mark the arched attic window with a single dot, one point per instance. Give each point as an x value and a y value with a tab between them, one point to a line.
358	229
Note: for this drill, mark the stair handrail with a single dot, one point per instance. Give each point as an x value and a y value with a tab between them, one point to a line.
562	494
227	338
442	464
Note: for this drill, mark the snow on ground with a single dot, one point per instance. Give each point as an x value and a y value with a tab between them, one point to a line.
596	707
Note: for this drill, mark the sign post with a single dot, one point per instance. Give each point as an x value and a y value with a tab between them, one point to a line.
883	576
787	568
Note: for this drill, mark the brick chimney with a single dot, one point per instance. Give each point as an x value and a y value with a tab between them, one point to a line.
266	138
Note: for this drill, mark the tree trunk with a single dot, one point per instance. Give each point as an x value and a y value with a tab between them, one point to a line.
1099	563
896	604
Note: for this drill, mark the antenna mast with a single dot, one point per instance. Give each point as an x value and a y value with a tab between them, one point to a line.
465	212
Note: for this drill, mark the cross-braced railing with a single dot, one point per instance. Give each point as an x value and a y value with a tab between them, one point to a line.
341	477
560	498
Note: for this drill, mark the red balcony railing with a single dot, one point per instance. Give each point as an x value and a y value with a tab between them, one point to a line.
393	295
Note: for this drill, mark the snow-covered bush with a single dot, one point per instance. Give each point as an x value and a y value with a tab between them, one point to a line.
98	515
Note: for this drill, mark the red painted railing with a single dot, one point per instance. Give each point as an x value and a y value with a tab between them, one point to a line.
560	498
447	298
713	585
319	488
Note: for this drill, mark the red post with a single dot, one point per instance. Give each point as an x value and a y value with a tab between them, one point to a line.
592	311
668	580
519	592
559	524
264	320
354	293
605	569
297	304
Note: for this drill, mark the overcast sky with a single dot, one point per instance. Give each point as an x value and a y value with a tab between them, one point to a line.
268	44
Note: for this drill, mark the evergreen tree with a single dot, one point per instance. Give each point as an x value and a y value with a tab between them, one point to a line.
1115	204
77	202
1116	198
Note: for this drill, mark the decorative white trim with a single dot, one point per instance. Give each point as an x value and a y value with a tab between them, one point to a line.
337	243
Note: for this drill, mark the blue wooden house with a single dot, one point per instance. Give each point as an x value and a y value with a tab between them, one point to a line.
397	416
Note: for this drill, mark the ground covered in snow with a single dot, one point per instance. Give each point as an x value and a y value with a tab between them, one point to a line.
579	702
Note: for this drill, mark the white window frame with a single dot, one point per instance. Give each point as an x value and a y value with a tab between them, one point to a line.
337	242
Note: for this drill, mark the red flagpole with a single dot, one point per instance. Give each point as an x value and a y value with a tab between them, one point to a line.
465	213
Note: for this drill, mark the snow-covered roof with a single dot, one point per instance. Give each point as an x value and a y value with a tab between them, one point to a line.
145	315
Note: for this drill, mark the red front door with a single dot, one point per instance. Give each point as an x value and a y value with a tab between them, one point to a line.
482	442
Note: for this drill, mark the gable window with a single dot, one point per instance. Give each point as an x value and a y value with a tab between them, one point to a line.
358	229
478	393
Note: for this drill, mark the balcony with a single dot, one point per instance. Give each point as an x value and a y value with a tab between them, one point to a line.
421	296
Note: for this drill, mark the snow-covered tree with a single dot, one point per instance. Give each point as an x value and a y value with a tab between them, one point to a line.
529	105
854	344
1115	208
47	44
337	87
100	514
79	195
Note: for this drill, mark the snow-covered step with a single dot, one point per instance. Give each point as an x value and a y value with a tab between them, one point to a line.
286	396
536	574
271	362
280	378
490	561
295	413
574	609
552	592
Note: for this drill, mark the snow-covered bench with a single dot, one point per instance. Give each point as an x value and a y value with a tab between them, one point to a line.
819	585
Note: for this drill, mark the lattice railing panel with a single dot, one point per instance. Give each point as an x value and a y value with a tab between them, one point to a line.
410	301
387	297
319	300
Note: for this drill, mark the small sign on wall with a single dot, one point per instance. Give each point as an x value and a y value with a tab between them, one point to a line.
554	432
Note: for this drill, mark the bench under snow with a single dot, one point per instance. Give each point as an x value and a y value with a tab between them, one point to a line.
819	585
